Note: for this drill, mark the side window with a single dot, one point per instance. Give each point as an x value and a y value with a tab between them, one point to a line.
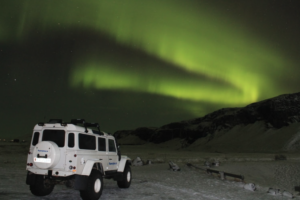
71	140
101	144
87	142
35	138
111	145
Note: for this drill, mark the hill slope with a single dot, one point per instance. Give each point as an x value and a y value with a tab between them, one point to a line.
265	126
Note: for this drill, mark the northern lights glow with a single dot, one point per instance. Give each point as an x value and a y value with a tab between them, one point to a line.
218	59
192	40
155	82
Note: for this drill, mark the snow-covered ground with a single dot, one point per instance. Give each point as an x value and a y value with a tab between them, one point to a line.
156	181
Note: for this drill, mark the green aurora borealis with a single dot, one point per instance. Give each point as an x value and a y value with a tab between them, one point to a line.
189	38
189	51
192	40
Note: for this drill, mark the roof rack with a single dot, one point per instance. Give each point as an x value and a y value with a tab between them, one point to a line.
77	121
60	121
56	121
96	125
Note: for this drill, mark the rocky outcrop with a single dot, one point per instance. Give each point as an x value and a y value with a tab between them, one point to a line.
275	113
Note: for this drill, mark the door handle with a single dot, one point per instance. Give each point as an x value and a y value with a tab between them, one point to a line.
110	159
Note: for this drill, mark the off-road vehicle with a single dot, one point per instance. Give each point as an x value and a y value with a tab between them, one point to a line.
76	155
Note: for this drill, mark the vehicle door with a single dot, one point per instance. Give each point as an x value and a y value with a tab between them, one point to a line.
112	155
102	152
59	137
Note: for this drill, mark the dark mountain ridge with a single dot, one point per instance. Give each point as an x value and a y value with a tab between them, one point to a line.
274	113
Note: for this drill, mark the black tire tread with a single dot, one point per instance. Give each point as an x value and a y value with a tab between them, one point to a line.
39	189
89	193
124	183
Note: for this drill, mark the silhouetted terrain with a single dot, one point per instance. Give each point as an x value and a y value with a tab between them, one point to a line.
276	117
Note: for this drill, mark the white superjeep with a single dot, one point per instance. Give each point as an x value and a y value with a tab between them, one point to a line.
77	156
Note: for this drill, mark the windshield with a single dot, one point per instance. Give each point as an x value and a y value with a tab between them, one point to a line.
57	136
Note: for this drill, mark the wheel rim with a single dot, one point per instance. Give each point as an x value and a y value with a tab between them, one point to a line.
97	185
128	176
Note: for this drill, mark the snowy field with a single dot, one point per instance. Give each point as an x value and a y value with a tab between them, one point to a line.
156	181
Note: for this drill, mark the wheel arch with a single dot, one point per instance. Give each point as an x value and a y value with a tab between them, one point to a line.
90	165
82	179
123	162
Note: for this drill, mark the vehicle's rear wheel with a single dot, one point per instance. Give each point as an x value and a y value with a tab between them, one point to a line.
41	187
94	187
126	181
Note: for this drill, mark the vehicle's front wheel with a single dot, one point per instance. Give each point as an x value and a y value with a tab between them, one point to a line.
126	181
41	187
94	187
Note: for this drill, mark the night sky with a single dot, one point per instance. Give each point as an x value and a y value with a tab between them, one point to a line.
134	63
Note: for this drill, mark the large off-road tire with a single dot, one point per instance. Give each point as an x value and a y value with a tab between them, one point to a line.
126	181
41	188
94	186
